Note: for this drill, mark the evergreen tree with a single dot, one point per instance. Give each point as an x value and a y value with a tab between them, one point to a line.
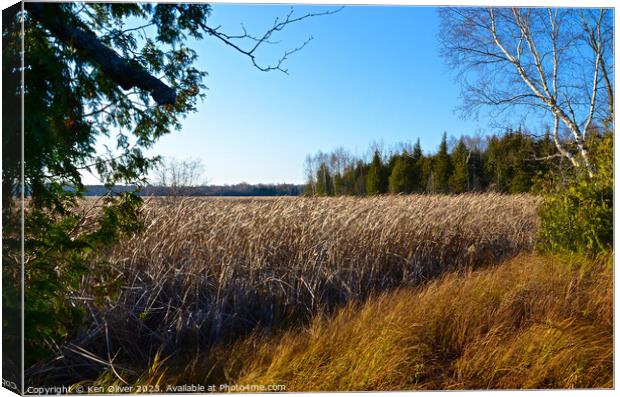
348	181
425	165
400	177
495	164
523	167
417	151
391	164
545	150
459	178
415	178
377	179
477	178
441	168
507	163
338	183
545	146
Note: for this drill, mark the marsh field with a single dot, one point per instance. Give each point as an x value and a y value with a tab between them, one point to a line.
385	293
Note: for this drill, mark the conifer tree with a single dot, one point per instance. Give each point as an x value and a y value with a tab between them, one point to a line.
545	151
348	181
507	163
477	179
376	180
417	151
459	177
523	157
425	165
441	168
338	183
494	164
416	177
399	180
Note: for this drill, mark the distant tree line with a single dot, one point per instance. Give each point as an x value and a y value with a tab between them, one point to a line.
240	189
506	163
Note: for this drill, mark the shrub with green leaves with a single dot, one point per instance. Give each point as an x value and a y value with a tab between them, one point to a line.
62	251
577	212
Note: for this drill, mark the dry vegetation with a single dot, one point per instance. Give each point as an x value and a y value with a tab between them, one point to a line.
532	322
222	278
211	269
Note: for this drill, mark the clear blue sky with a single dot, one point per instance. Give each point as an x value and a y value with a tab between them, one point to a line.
371	73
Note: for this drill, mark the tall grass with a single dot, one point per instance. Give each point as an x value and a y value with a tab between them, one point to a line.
209	271
533	322
208	268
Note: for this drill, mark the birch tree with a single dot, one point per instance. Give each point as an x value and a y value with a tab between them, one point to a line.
553	63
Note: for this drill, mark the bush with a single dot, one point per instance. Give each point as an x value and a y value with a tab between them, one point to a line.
577	212
62	247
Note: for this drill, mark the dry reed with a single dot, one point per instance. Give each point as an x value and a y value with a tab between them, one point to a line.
208	270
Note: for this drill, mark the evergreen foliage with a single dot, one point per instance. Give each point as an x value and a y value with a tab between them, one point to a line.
377	177
442	168
402	175
417	177
511	162
459	179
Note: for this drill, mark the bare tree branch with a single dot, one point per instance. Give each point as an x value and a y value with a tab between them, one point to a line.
525	32
235	41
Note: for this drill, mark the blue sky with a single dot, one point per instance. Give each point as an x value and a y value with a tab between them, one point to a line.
371	73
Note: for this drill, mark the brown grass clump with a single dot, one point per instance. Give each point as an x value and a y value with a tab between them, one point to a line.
533	322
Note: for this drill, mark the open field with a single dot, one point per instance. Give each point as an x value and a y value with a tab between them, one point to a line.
213	279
